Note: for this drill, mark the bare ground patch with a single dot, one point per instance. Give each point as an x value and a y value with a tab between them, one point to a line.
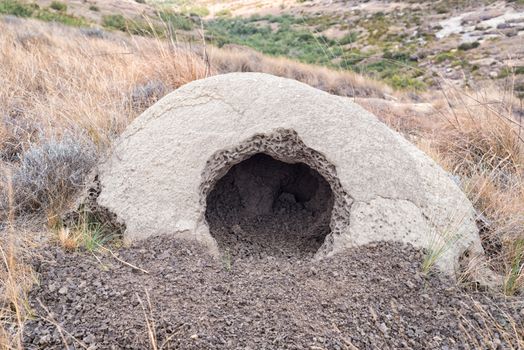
369	297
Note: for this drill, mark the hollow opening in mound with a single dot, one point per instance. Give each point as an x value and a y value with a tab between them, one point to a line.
266	207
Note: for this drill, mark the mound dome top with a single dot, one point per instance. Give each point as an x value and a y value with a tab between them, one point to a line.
165	165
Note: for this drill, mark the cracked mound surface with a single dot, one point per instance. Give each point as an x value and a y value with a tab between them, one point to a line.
372	297
266	207
167	162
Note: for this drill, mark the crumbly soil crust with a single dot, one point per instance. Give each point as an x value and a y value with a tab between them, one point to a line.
370	297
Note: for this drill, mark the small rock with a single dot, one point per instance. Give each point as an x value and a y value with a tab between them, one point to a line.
52	287
383	328
410	284
89	339
44	340
63	290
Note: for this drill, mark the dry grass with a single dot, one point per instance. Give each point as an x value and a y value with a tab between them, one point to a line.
476	137
55	78
343	83
58	82
16	277
492	331
55	82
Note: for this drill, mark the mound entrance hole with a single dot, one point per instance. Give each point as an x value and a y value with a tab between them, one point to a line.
266	207
296	220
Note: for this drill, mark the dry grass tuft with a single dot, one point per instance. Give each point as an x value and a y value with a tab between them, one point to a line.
479	140
71	81
16	277
66	95
492	330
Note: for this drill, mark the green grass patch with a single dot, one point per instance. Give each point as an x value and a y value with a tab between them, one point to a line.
16	8
224	13
132	26
196	11
117	22
58	6
396	70
445	56
468	46
377	26
22	9
60	17
287	40
348	38
511	283
177	21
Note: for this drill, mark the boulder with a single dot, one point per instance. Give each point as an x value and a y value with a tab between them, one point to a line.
166	163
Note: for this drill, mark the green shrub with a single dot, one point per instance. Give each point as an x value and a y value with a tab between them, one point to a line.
224	13
117	22
58	6
445	56
20	9
177	21
349	38
144	28
406	82
397	56
287	41
60	17
468	46
94	8
136	27
197	11
504	73
16	8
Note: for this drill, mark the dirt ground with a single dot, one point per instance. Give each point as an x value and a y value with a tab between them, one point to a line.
372	297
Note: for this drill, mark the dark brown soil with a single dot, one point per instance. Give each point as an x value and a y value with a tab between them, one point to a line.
372	297
265	207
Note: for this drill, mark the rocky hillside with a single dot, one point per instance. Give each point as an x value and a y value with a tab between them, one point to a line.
408	44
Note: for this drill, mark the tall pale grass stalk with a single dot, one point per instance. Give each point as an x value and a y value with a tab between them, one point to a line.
15	279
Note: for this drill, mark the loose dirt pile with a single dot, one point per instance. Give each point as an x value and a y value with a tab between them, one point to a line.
371	297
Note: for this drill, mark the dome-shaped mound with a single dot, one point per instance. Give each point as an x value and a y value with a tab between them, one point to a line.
230	140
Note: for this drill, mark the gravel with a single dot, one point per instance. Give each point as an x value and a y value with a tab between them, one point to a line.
371	297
